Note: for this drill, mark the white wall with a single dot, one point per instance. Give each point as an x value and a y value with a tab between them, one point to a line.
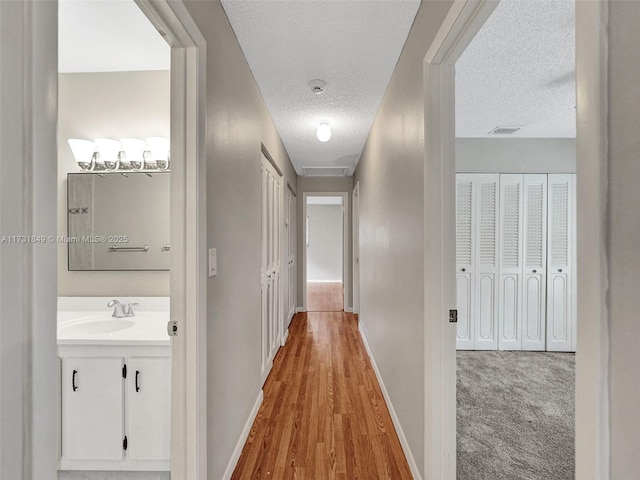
325	185
516	155
324	252
392	231
113	105
623	233
237	123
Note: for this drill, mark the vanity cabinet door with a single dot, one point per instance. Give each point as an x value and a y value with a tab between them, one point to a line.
92	409
148	408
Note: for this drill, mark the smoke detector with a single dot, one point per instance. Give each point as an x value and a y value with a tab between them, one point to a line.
317	86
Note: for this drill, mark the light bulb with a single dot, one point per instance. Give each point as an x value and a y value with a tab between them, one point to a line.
324	132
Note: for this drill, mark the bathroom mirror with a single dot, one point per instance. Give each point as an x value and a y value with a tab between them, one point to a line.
118	221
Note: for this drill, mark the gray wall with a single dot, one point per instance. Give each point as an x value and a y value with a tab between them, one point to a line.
322	184
516	155
624	236
391	176
324	253
113	105
237	123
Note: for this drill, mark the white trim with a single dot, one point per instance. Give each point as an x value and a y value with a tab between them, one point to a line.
592	355
349	310
285	337
345	245
464	20
301	309
355	249
235	456
394	417
188	276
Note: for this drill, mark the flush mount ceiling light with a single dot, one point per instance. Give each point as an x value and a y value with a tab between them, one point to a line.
324	132
317	86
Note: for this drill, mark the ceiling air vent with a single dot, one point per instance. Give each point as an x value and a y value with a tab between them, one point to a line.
504	130
324	171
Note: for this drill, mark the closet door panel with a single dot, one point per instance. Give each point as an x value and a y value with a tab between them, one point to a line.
561	225
465	222
510	294
486	196
534	256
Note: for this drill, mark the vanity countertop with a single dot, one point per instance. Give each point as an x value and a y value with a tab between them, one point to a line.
100	328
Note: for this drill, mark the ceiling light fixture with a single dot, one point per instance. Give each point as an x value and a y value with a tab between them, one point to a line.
324	132
317	86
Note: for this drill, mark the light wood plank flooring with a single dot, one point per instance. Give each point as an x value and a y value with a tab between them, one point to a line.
323	415
325	297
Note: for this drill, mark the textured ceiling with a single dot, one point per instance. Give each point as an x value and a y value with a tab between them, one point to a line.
520	71
108	36
352	45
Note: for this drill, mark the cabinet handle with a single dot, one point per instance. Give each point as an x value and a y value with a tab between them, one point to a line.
73	380
137	386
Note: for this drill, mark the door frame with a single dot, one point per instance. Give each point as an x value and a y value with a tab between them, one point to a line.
355	242
345	244
463	21
188	275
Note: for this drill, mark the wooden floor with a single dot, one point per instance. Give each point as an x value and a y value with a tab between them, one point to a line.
323	415
325	297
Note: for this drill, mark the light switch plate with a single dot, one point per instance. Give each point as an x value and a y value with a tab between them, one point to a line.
213	262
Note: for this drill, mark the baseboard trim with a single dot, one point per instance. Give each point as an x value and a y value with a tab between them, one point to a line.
285	337
394	418
301	310
348	310
233	461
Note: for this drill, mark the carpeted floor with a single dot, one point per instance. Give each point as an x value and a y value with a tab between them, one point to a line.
515	415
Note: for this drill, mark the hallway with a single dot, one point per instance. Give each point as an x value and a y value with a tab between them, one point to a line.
325	297
323	414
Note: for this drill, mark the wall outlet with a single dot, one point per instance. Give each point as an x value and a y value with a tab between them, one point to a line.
213	262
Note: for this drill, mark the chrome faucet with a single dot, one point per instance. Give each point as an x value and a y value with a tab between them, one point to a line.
120	310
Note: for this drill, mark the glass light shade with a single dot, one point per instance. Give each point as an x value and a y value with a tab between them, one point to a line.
82	150
134	149
324	132
159	147
108	149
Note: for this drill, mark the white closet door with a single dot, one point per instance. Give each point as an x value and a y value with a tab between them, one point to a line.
560	288
464	261
291	257
534	256
264	274
510	305
486	248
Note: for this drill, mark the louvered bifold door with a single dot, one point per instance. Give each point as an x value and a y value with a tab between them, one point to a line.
534	290
510	277
560	287
464	261
485	201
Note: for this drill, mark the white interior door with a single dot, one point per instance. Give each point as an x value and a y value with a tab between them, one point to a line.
271	298
560	288
355	238
486	246
510	294
465	223
291	256
534	290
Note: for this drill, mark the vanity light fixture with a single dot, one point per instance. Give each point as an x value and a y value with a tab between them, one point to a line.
126	154
324	132
83	151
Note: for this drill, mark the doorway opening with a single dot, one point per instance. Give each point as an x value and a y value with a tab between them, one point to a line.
325	232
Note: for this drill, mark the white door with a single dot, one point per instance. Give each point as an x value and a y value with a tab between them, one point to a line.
510	294
534	290
465	261
560	248
271	264
291	256
486	247
148	408
92	409
355	238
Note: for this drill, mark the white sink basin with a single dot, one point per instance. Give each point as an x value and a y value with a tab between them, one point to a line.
98	326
